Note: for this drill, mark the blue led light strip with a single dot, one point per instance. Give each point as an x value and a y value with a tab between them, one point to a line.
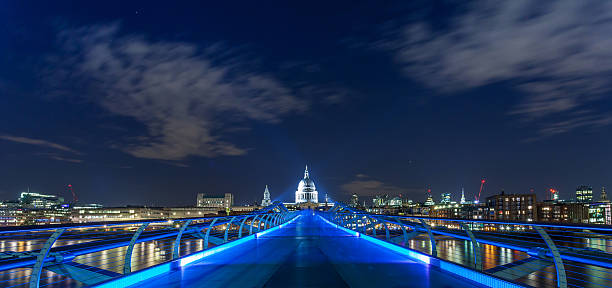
426	259
163	268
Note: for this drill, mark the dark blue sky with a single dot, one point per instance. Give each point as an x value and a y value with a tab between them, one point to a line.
151	103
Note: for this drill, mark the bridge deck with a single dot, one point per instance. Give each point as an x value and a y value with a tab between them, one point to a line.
306	253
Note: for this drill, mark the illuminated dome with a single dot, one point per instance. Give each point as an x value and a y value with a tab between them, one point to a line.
306	192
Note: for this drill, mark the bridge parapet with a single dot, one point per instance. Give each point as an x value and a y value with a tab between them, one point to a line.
96	253
517	253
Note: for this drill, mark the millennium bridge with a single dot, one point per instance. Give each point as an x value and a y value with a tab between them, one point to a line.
274	247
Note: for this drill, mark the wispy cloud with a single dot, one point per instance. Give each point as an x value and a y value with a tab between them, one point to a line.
38	142
558	52
59	157
181	93
46	144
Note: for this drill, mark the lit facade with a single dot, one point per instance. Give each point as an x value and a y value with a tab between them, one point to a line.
36	200
600	213
584	194
306	192
226	201
429	201
445	198
513	207
354	200
564	212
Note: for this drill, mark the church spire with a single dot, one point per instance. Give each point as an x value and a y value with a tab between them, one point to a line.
266	200
306	172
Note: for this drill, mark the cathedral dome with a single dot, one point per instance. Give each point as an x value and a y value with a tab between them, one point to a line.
306	185
306	192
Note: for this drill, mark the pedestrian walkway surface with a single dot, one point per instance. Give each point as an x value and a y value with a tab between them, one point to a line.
307	253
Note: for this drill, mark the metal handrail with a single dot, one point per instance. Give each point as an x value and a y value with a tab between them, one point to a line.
115	235
542	244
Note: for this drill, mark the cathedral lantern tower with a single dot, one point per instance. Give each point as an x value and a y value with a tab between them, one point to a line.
306	192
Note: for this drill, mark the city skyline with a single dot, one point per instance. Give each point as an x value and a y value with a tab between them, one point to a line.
133	104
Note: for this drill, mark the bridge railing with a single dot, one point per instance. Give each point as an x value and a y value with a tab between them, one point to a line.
526	253
87	254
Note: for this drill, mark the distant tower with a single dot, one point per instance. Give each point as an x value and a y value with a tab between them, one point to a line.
462	196
429	201
354	200
604	196
445	198
584	194
266	201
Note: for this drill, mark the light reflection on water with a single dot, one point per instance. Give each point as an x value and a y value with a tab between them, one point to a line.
155	252
460	251
144	255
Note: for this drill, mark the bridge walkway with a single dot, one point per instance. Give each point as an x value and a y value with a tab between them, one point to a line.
307	253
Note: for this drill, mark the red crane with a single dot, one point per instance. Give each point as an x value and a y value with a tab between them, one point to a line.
482	182
75	199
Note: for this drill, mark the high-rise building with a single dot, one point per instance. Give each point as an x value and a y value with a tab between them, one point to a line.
354	200
395	202
521	207
266	200
36	200
445	198
429	201
584	194
566	212
462	196
306	192
380	200
600	213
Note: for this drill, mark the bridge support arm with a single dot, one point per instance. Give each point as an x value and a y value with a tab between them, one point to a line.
40	259
387	236
252	224
241	224
403	230
208	232
229	225
177	243
561	278
475	247
127	261
373	226
432	240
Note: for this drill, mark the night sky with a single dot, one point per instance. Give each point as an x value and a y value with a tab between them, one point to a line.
146	103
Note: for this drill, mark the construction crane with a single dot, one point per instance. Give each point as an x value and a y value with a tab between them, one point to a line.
482	182
75	199
554	194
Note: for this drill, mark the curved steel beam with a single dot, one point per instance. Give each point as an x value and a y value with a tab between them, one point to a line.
208	233
252	224
475	247
241	224
229	225
373	225
561	277
432	240
40	259
177	243
403	230
127	260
